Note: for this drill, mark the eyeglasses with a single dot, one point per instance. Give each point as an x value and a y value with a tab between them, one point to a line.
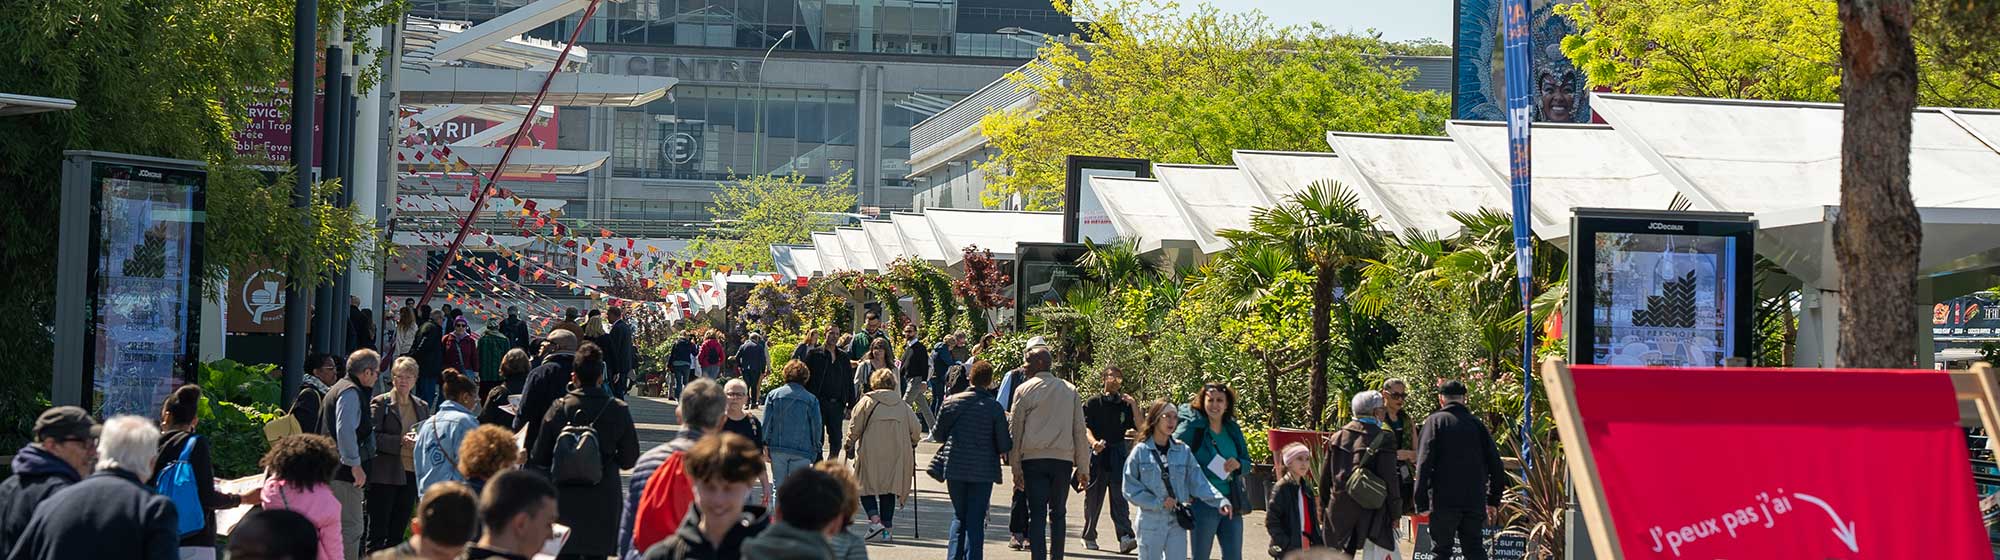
734	395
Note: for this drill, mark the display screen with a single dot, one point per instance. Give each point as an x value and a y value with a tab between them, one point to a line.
145	288
1663	300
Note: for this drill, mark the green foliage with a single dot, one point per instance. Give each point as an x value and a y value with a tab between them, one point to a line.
1005	352
755	212
930	288
250	385
1150	80
1771	49
1436	341
236	435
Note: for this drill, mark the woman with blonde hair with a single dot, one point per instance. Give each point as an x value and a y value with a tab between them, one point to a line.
405	333
882	432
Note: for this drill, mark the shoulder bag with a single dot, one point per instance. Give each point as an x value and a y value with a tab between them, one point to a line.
1367	489
1182	516
854	443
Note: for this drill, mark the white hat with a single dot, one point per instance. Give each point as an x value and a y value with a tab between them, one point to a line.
1034	343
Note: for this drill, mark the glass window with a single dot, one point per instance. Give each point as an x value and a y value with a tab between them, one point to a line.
812	116
780	113
843	121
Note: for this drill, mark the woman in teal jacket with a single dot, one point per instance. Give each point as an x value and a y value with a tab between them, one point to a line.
1208	427
1160	476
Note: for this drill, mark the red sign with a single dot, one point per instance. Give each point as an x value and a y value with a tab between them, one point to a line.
1773	463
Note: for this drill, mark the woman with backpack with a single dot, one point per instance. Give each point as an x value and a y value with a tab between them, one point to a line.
586	438
1161	481
183	473
1365	442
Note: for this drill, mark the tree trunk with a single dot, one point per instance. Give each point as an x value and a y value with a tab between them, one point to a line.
1274	415
1322	311
1878	233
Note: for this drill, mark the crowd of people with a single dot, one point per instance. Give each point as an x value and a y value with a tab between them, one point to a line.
464	449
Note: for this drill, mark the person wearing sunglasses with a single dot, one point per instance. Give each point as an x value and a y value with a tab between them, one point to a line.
1396	392
65	446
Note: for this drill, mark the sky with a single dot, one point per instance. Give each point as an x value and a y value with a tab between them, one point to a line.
1398	20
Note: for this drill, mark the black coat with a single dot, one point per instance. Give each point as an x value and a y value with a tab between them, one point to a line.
1346	522
305	408
617	346
1458	466
108	515
204	482
38	474
546	383
974	428
830	382
689	543
591	512
517	332
1286	522
428	349
916	362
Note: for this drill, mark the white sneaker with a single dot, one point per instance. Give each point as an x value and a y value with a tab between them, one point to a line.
876	530
887	537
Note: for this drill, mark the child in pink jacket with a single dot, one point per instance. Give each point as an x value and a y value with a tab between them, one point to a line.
297	471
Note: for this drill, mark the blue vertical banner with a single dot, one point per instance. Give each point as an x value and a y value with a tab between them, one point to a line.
1520	97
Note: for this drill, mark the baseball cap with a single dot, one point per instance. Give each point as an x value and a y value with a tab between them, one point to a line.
1451	389
66	422
1034	343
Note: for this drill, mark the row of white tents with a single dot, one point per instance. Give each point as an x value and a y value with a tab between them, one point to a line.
1778	161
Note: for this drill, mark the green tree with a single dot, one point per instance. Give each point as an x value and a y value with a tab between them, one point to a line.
1772	49
1148	81
755	212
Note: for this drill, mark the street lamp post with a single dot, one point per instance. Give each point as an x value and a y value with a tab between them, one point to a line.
757	148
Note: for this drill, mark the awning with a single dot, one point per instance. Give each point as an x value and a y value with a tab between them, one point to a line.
1575	166
1418	180
994	230
854	246
832	258
1210	198
917	237
883	241
793	261
1140	209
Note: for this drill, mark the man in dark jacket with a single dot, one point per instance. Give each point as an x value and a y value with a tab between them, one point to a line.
681	360
546	383
752	360
916	364
515	329
428	348
830	387
65	445
1459	476
344	416
111	514
590	510
320	375
617	344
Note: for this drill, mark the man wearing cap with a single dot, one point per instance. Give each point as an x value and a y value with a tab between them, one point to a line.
65	446
546	383
1459	476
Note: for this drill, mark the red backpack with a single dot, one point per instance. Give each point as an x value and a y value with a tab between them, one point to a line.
663	505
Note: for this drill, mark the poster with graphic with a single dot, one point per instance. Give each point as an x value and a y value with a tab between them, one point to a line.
1479	93
1662	300
146	286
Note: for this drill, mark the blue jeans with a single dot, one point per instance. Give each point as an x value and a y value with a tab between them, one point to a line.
426	389
968	519
937	392
1160	537
783	464
1210	526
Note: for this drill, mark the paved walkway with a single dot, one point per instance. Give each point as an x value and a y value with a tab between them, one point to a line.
931	507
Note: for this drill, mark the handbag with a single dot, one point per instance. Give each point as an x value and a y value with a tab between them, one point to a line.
856	440
1363	486
936	468
1182	516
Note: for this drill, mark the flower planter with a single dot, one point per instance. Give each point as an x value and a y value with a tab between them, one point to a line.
1257	486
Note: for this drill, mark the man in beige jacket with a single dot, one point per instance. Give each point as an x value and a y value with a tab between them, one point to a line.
1050	441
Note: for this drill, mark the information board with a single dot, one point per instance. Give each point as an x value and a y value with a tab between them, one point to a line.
1508	545
1660	288
1084	216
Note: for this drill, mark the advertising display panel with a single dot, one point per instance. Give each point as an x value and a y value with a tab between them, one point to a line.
1043	272
1660	288
1083	214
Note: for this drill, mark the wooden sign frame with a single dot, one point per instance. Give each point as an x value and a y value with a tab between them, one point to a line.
1979	385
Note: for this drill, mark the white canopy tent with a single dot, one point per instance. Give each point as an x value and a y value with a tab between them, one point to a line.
1575	166
794	261
883	241
854	245
1417	180
917	237
832	258
1210	198
995	230
1139	209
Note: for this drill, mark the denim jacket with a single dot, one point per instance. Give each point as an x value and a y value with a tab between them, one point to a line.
437	444
1145	489
791	421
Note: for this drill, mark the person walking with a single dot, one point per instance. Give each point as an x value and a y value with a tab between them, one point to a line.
569	324
1350	526
427	346
360	325
659	492
619	355
792	414
1396	393
515	329
392	485
461	352
1208	426
180	444
877	359
63	452
546	384
871	330
493	348
829	384
710	357
405	333
1017	516
1459	475
296	471
803	520
884	435
942	362
1050	443
111	513
443	524
973	437
681	359
590	510
594	327
915	365
736	419
344	414
439	437
487	451
752	359
518	511
720	467
320	374
1291	519
1160	479
1111	418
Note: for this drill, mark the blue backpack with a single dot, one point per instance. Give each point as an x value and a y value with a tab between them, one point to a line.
177	483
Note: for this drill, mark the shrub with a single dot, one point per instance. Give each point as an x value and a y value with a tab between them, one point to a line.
229	381
236	435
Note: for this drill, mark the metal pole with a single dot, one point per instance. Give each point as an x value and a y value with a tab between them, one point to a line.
757	147
328	309
305	27
479	200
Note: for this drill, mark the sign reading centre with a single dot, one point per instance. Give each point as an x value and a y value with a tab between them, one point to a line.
1704	463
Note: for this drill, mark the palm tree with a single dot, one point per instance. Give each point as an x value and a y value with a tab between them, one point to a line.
1118	263
1323	228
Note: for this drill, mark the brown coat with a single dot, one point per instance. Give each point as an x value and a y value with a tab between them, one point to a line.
1346	522
386	467
885	432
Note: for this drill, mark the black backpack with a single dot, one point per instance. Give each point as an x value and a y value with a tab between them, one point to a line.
579	457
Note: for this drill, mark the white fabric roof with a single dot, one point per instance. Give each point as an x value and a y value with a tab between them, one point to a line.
884	241
1586	166
832	258
1417	179
994	230
1748	156
1210	198
854	245
1140	209
794	261
1281	174
918	239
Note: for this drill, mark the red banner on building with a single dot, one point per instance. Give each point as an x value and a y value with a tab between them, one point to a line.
1770	463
